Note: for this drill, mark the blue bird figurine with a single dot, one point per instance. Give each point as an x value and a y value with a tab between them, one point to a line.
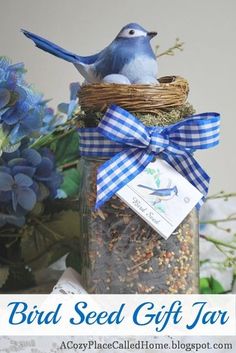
162	194
128	59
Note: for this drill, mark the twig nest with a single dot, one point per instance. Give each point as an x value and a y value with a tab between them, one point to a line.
147	80
172	91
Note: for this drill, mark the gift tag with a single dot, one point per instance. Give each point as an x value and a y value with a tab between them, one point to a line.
69	283
161	196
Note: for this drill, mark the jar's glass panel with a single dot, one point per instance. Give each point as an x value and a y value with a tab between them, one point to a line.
121	253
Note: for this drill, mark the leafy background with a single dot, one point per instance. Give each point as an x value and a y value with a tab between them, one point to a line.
39	179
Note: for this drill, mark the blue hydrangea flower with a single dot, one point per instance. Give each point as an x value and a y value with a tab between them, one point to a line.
21	108
26	126
70	108
27	176
65	112
11	80
10	70
37	165
18	187
51	121
5	97
46	172
23	119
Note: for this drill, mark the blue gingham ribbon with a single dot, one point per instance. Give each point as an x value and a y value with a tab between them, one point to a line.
132	146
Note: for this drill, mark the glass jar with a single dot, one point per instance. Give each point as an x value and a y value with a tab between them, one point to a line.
121	253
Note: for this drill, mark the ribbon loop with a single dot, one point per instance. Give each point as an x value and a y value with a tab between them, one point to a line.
132	146
158	141
120	126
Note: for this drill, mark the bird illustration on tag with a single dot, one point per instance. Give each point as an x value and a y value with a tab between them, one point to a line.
162	194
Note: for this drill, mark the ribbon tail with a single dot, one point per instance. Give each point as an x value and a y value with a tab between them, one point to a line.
187	166
118	171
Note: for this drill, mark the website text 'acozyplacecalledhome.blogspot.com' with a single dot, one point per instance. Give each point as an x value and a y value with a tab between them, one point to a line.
142	345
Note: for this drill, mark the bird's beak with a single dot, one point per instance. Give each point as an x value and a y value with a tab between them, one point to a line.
151	34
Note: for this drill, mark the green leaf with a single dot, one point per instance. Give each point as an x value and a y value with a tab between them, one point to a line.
209	285
71	182
204	286
150	171
3	139
44	140
4	273
36	246
74	260
202	262
43	192
19	278
65	225
38	209
158	182
66	149
50	239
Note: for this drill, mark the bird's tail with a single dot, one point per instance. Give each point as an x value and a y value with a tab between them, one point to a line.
175	190
52	48
145	187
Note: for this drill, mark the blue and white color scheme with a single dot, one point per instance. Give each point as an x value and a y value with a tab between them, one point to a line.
117	315
132	146
162	194
128	59
163	208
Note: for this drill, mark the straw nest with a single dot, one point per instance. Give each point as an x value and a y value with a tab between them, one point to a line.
171	92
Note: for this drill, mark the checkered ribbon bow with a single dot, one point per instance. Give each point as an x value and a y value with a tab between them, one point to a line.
132	146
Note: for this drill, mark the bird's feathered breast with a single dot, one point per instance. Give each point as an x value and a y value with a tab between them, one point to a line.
119	53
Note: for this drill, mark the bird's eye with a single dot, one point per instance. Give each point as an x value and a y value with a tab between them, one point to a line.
131	31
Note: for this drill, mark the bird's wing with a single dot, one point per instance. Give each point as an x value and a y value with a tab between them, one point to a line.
111	60
54	49
88	72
